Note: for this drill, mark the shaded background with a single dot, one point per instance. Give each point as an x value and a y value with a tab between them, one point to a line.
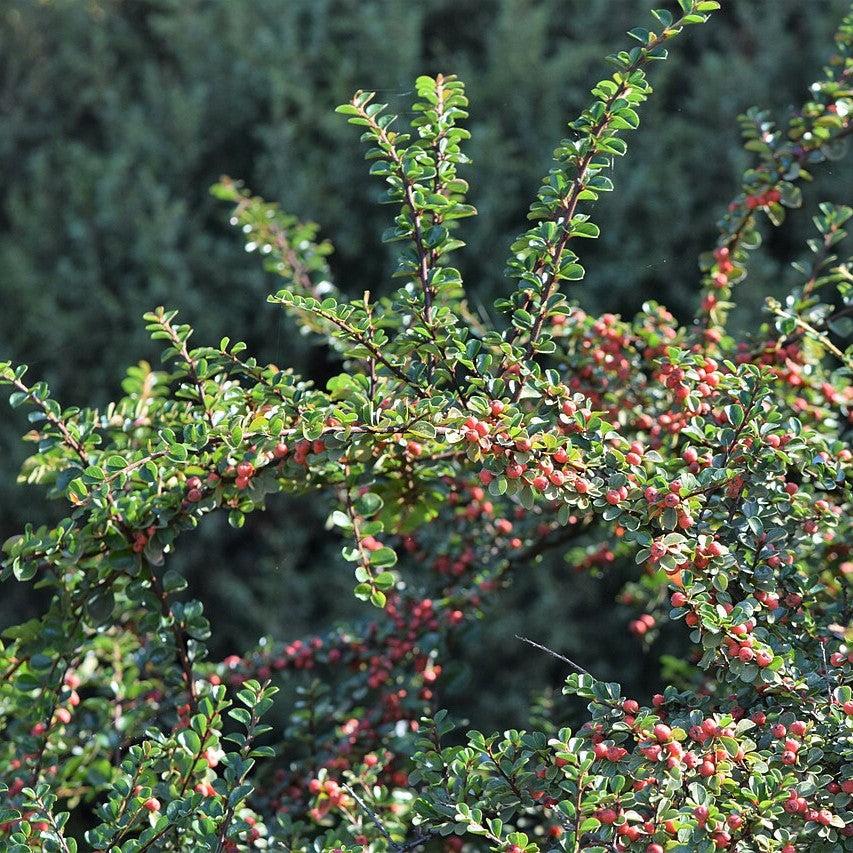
117	115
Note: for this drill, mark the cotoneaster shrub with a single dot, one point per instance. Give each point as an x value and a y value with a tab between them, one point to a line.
455	452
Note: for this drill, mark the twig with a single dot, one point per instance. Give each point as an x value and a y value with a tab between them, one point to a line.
403	846
808	328
181	643
55	420
826	674
418	839
372	815
571	663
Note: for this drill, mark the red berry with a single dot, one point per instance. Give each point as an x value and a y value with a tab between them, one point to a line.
721	839
764	658
662	732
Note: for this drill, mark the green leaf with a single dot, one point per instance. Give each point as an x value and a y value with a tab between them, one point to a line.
572	272
383	557
368	504
585	229
190	741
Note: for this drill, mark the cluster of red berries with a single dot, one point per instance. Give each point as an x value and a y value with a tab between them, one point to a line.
660	502
552	469
597	556
741	644
141	539
609	348
642	625
298	655
771	196
245	472
660	744
329	796
61	716
376	654
679	381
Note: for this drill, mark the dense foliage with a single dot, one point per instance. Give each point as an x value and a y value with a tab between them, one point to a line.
457	452
118	116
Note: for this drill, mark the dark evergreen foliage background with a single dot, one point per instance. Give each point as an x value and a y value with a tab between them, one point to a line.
117	115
